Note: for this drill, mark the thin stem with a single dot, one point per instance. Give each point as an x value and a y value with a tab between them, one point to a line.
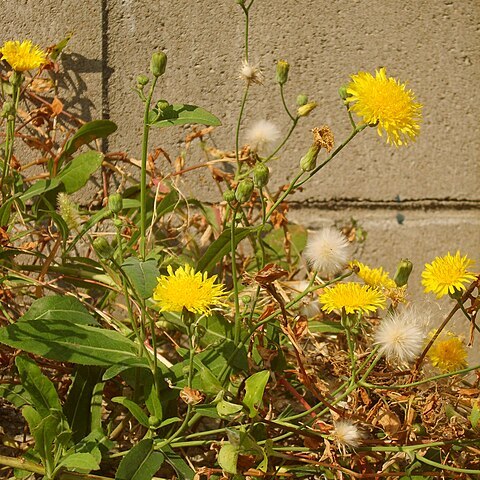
284	141
143	174
285	104
238	325
237	132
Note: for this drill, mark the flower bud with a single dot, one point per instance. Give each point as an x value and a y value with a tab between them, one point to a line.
309	161
302	99
404	269
7	109
154	421
342	91
260	175
282	72
115	203
158	64
244	190
304	110
229	196
102	248
142	80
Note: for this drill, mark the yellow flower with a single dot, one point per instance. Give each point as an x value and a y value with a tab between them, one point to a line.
447	274
353	297
374	277
448	352
385	102
23	56
186	289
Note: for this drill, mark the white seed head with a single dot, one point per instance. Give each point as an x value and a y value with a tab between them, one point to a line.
347	434
401	336
327	251
262	135
251	73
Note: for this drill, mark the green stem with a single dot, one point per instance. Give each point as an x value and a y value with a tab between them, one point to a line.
431	463
285	104
237	320
143	173
284	141
237	132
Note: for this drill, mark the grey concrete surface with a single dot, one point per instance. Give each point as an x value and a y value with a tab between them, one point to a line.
434	45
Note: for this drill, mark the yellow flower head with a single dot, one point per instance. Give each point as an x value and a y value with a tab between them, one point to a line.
353	297
385	102
374	277
23	56
186	289
448	352
447	274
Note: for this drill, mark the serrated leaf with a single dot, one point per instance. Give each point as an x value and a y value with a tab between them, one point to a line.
179	114
142	275
140	463
56	307
88	133
66	342
134	409
254	388
40	389
77	173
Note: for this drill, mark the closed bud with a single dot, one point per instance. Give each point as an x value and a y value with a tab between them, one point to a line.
142	80
342	91
102	248
404	269
229	196
282	72
302	99
260	175
115	203
158	64
244	190
162	105
305	110
7	109
246	299
309	161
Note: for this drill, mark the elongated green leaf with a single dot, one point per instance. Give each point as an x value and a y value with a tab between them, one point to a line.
152	402
179	114
254	388
115	370
80	462
221	246
39	188
140	463
56	307
66	342
77	173
5	211
228	457
40	389
88	133
175	460
79	406
142	275
134	409
15	394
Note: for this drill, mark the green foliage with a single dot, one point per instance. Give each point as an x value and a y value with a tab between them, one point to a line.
140	463
179	114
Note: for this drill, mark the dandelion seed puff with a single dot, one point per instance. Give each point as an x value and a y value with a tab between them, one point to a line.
262	135
347	434
401	336
327	251
251	73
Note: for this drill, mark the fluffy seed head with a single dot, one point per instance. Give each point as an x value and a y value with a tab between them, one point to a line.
262	135
251	74
401	336
347	434
327	251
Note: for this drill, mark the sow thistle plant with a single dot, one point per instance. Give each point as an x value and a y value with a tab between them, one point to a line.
150	335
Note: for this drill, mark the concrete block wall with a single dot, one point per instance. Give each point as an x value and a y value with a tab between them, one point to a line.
434	45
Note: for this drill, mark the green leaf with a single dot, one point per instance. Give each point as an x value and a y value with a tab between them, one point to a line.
40	187
152	402
80	462
228	457
210	383
140	463
79	405
66	342
15	394
179	114
221	246
88	133
226	409
115	370
5	211
325	326
58	48
77	173
175	460
474	416
142	275
134	409
56	307
40	389
254	388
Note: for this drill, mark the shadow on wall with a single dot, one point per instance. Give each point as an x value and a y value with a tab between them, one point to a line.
77	98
